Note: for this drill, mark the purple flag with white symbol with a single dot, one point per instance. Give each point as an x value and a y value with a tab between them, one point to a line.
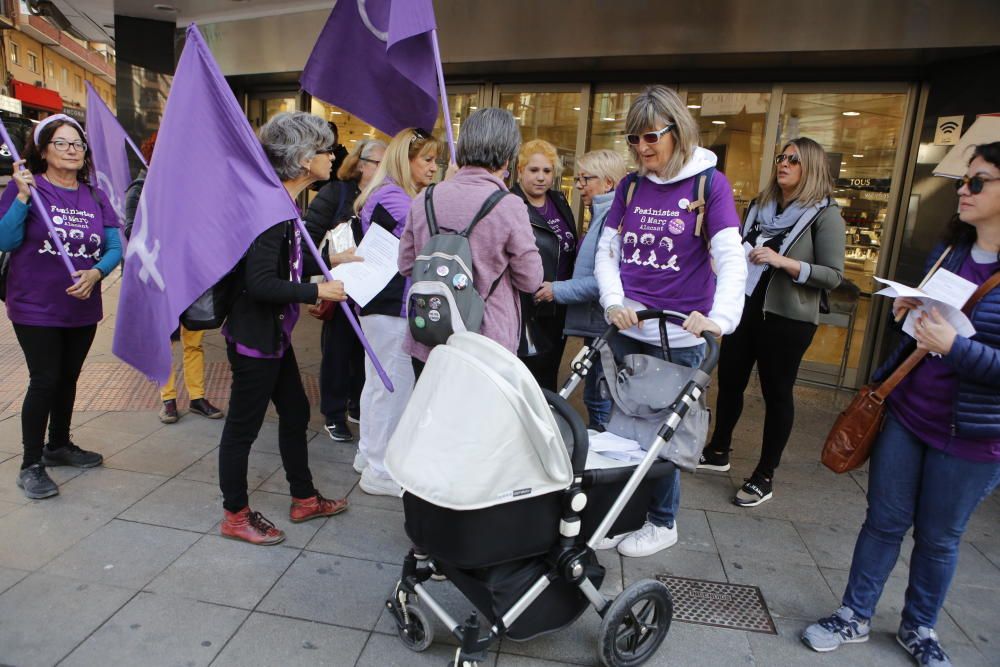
375	59
208	194
107	148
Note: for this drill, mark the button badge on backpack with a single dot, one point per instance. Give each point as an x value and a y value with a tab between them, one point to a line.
442	271
460	281
435	303
434	315
419	322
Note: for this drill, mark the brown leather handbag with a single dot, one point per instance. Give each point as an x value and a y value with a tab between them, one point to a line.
849	443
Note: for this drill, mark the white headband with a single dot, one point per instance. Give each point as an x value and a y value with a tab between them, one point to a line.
55	117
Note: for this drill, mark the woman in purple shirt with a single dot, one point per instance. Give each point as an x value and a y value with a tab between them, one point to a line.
55	316
938	455
258	335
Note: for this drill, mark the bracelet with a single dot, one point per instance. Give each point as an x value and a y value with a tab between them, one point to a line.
607	311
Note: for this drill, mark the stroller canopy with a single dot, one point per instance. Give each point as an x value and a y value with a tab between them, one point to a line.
477	430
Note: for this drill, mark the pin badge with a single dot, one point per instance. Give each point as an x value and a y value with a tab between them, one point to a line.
421	303
460	281
435	302
442	271
434	316
419	321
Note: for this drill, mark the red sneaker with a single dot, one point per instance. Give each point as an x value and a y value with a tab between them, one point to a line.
304	509
250	527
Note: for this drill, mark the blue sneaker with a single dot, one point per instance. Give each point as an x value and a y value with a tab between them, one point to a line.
843	627
923	646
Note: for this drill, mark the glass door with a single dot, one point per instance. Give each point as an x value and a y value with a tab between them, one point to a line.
262	107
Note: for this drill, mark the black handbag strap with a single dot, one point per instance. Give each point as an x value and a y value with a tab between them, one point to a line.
432	223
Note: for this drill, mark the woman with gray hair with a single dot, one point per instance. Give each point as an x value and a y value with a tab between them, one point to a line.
504	256
258	335
672	242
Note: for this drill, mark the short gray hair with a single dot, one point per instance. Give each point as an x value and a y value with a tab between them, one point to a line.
294	137
489	138
369	146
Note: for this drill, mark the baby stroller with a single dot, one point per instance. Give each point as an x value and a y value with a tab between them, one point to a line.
499	499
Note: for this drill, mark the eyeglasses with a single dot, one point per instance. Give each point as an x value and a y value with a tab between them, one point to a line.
648	137
975	183
582	180
327	151
792	158
63	146
371	161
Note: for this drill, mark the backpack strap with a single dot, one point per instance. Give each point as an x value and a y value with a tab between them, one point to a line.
703	184
487	206
633	183
432	223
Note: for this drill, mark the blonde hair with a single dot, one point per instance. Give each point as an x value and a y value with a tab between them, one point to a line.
405	146
658	105
547	150
605	164
816	182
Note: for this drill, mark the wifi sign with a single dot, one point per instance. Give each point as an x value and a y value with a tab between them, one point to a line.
949	129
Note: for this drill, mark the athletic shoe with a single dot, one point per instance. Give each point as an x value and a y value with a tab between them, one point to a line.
360	462
648	540
304	509
70	455
755	490
713	460
374	485
36	483
611	542
354	414
168	413
250	527
339	432
843	627
923	646
201	406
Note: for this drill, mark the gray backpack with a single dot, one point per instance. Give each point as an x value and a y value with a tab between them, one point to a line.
442	299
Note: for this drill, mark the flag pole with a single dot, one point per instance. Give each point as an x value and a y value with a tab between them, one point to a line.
444	94
343	304
36	199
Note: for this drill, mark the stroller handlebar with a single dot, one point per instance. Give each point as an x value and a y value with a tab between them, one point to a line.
711	342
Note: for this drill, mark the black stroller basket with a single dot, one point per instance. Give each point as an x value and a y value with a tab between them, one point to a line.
529	566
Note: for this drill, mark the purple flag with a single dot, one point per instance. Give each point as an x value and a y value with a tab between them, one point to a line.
375	59
209	193
107	147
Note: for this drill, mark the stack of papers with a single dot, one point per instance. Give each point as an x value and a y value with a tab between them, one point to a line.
364	280
945	291
616	447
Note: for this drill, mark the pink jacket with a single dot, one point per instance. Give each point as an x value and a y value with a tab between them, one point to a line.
503	246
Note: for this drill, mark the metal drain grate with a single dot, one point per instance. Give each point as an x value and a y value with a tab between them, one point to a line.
721	605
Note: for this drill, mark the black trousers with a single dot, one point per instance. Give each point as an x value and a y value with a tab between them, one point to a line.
54	356
257	382
545	367
776	344
342	368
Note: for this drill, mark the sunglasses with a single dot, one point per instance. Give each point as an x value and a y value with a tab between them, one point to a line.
648	137
792	159
420	134
975	183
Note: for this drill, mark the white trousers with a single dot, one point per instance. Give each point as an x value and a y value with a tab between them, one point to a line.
380	408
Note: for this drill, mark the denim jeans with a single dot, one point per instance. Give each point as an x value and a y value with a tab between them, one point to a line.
598	409
910	483
667	492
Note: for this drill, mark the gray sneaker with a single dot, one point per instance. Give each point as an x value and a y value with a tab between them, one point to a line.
36	483
844	627
923	645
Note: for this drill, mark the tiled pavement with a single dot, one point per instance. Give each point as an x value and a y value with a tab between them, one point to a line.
126	567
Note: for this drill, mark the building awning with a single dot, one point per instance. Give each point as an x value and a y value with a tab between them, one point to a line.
39	98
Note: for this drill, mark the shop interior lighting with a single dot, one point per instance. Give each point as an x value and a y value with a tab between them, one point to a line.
473	108
337	113
718	122
857	155
851	113
610	119
576	108
694	106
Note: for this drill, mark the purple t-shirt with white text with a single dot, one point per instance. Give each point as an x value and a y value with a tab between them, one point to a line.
37	278
564	232
663	264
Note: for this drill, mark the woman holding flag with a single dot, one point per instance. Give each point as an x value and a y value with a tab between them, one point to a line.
55	317
408	166
258	333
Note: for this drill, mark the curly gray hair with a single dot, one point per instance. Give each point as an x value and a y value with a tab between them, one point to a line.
292	138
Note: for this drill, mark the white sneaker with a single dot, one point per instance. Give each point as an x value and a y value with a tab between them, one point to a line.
648	540
611	542
360	462
374	485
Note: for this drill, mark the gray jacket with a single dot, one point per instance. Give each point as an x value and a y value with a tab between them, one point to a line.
584	316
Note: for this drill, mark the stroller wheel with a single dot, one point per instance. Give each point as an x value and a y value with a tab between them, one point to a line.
635	624
418	634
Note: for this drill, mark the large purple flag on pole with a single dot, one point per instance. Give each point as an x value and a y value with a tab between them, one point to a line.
375	59
209	193
107	142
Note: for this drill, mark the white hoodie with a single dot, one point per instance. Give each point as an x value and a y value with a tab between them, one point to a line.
728	261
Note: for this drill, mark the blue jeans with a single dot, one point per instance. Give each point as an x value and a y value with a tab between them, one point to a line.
910	483
598	408
667	492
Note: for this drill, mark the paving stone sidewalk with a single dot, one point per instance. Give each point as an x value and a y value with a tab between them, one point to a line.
126	566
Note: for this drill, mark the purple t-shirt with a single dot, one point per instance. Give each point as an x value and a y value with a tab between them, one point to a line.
924	400
37	278
663	264
567	242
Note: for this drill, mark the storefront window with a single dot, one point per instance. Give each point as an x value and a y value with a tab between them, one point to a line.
861	134
732	125
460	105
553	117
607	123
350	128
